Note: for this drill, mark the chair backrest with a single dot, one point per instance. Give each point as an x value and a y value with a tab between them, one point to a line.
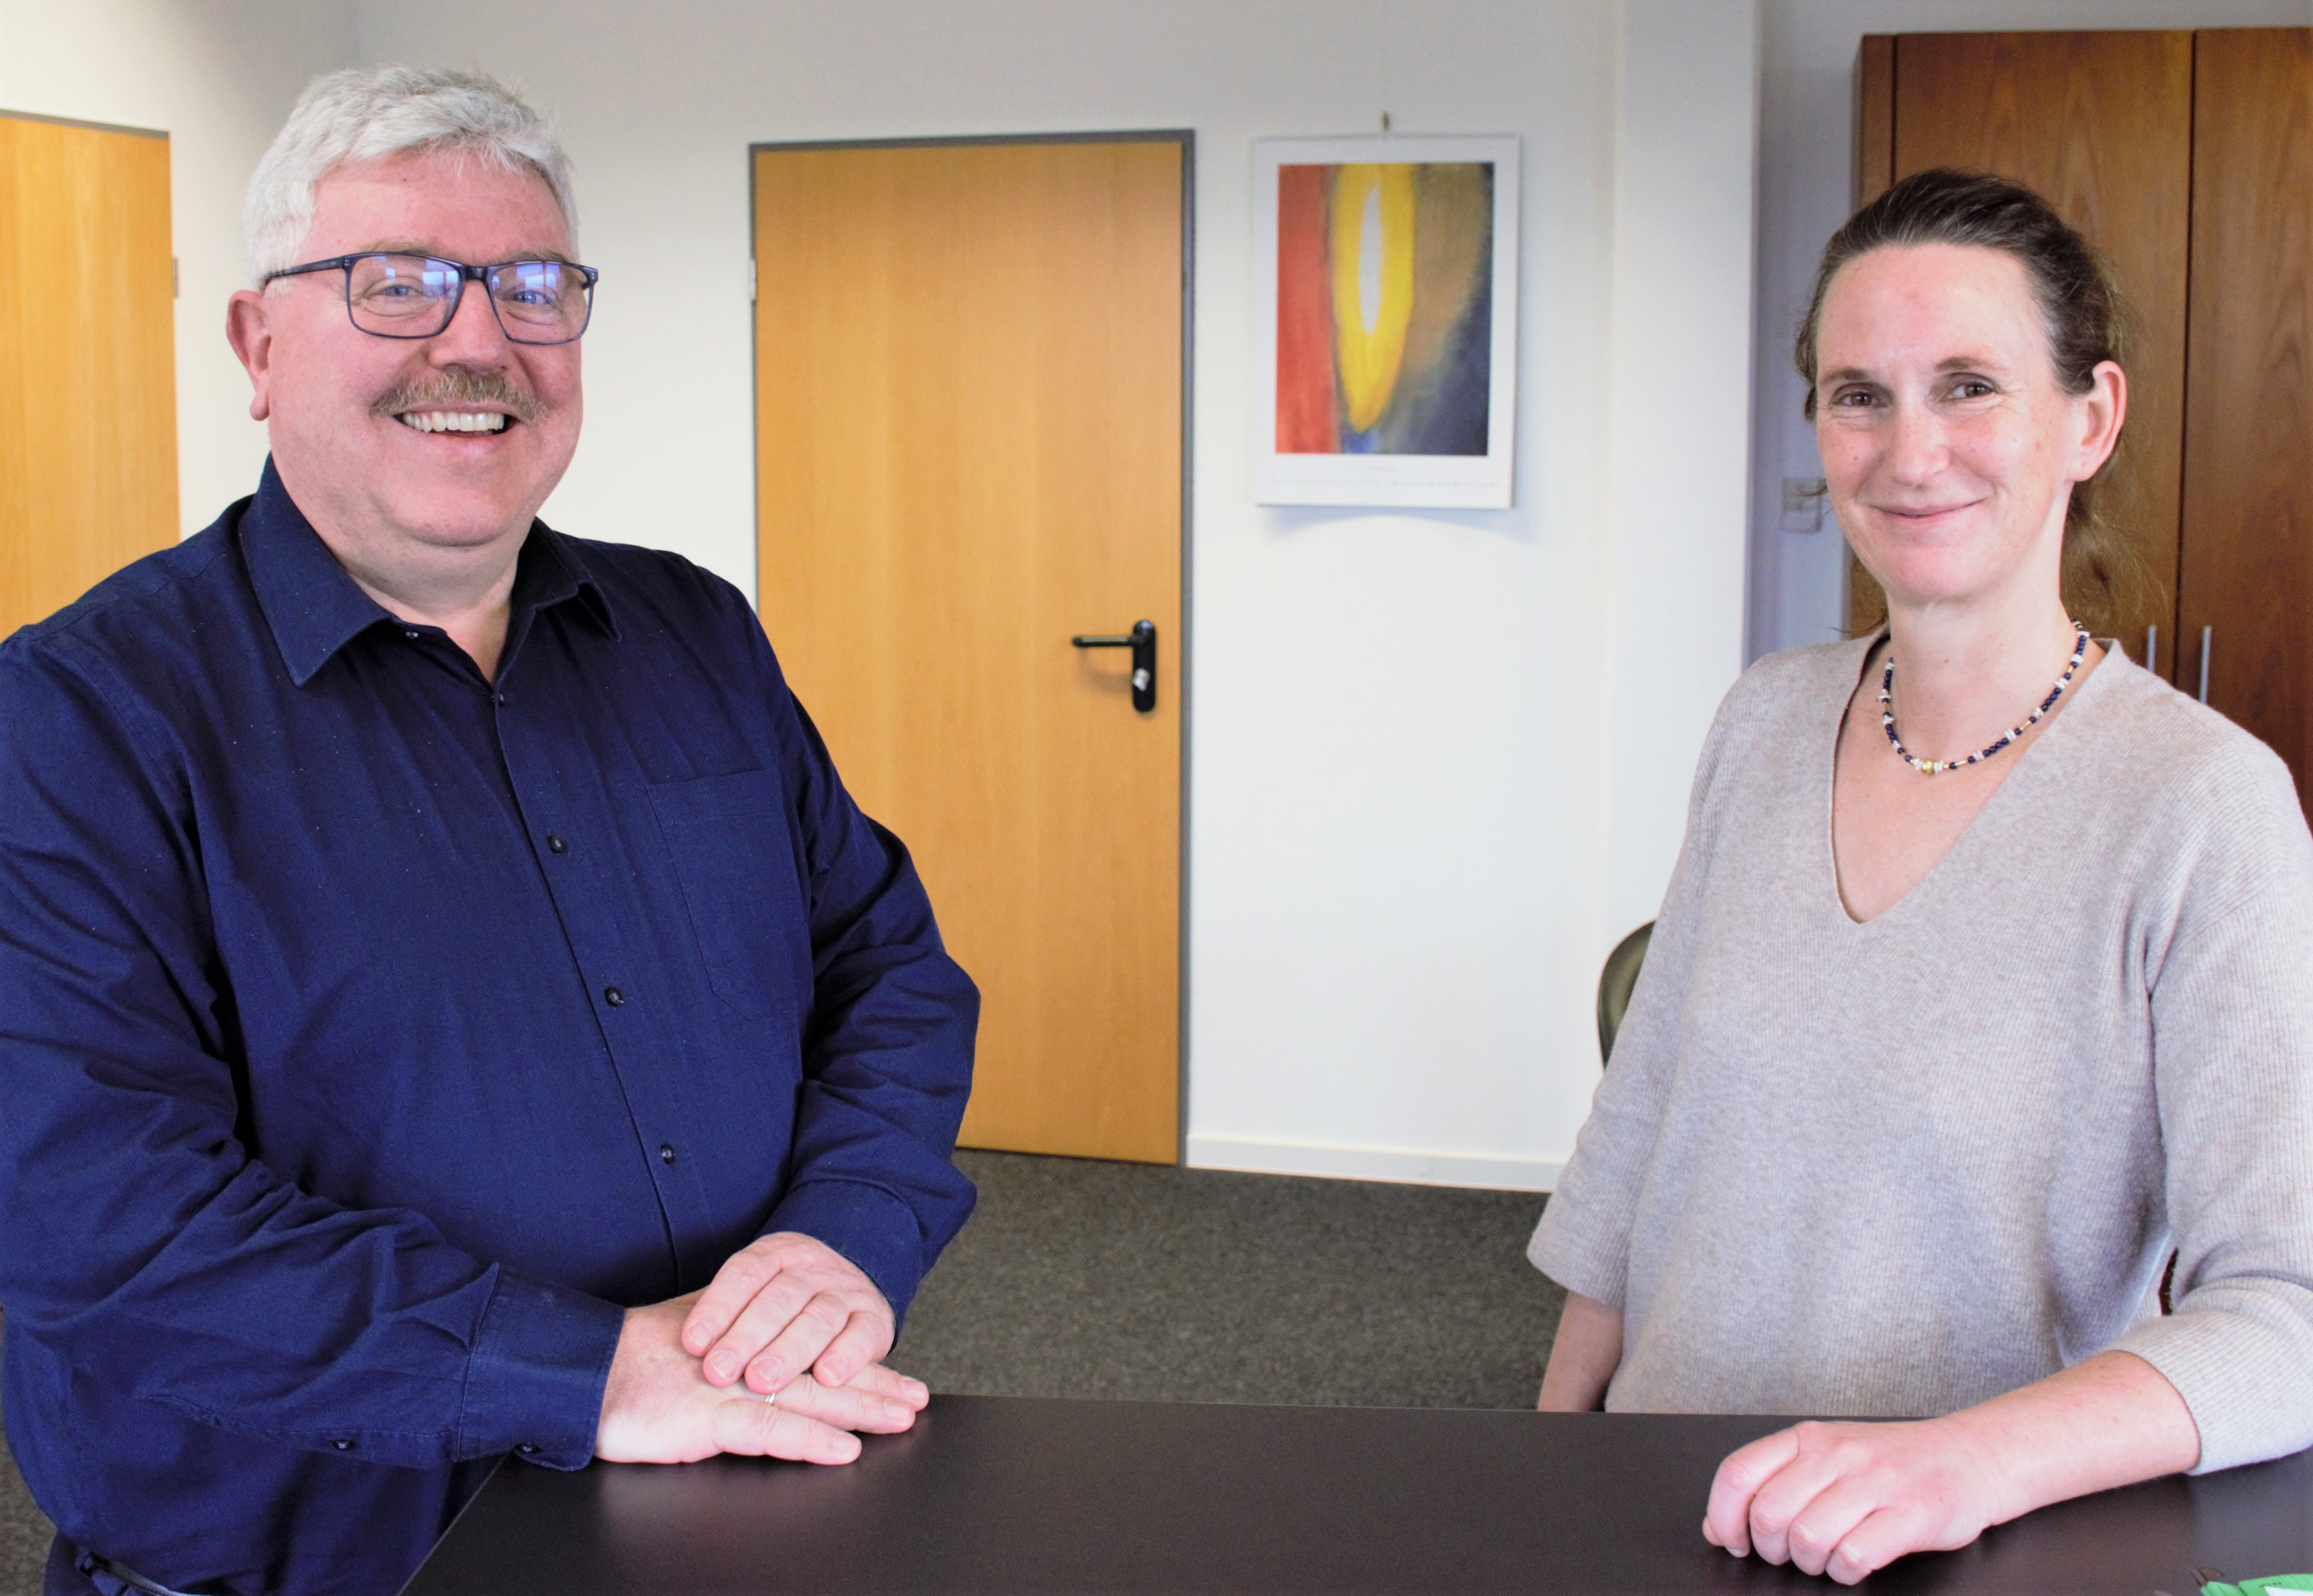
1615	984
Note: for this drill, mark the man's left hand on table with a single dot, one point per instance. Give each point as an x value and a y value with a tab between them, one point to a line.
784	1304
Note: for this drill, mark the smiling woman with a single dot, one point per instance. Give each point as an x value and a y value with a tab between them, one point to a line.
1909	1125
2083	318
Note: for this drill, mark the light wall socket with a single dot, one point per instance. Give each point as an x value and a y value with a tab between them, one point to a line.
1802	504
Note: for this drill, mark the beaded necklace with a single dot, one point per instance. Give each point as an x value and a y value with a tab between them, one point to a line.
1932	767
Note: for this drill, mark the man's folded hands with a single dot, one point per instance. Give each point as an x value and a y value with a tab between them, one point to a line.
775	1358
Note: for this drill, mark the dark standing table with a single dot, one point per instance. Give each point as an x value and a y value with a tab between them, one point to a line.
992	1495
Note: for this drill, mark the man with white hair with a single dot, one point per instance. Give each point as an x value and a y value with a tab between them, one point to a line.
450	1005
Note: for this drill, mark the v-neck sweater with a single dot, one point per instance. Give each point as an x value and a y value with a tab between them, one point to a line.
1902	1166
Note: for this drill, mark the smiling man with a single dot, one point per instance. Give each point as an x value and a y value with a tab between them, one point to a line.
450	1005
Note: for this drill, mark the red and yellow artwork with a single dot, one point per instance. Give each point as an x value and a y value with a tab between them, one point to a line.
1384	308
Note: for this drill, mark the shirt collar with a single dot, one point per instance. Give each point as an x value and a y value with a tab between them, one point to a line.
553	570
315	609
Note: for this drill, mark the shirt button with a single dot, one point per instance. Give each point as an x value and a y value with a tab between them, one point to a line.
526	1450
555	844
343	1446
613	996
501	701
666	1152
411	635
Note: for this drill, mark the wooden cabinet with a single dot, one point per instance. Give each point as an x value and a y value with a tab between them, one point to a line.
2187	158
2245	579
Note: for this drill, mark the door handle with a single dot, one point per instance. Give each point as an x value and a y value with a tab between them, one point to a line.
1142	640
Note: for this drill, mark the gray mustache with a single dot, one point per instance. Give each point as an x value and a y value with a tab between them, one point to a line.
458	385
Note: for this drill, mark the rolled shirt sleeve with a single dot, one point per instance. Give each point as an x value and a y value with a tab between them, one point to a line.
535	1375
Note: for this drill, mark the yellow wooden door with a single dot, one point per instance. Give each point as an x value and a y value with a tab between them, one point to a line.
969	451
88	385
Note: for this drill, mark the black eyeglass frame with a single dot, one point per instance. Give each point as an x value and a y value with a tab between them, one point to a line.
466	274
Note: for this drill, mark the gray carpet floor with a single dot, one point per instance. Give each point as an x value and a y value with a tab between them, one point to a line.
24	1535
1132	1280
1081	1279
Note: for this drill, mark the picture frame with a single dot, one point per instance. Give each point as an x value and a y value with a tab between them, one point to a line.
1386	321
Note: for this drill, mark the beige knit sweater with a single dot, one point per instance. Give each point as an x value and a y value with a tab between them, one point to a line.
1902	1167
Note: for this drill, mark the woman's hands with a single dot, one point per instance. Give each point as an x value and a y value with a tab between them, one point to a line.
1843	1499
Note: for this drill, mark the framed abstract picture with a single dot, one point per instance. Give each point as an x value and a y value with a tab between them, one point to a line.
1386	321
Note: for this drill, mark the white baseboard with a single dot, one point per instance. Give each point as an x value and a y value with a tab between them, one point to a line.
1408	1164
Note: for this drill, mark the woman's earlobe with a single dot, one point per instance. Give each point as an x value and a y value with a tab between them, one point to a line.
2113	382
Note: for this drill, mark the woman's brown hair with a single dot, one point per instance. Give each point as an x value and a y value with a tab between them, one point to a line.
2086	319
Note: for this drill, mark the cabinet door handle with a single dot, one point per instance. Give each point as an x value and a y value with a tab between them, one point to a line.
2153	648
2208	637
1142	640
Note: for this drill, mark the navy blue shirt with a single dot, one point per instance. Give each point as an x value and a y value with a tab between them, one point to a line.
373	1032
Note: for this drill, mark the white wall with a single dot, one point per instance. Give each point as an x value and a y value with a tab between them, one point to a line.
1685	178
217	76
1807	158
1439	760
1408	730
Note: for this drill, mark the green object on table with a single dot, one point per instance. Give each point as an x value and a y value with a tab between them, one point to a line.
2276	1582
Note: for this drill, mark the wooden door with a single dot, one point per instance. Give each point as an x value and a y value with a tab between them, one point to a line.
2247	553
88	386
2100	125
968	388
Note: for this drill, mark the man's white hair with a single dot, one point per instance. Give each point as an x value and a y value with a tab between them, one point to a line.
367	113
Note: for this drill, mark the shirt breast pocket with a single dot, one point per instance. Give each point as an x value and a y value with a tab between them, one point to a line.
730	840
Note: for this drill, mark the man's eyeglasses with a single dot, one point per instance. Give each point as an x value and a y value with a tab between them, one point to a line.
536	302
